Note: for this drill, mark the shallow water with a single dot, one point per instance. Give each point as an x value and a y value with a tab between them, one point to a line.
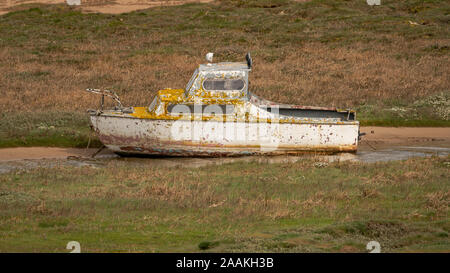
399	153
365	154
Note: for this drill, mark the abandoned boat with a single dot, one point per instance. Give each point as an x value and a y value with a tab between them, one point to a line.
217	115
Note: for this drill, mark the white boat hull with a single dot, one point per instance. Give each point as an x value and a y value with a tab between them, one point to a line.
137	136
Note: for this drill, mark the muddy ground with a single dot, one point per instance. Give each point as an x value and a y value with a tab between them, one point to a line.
380	144
375	138
391	136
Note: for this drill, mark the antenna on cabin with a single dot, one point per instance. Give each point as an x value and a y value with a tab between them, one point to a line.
249	60
209	57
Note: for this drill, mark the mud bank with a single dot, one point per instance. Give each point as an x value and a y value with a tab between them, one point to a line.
386	136
379	144
22	153
376	138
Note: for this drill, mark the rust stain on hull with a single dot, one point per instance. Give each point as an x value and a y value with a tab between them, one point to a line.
227	152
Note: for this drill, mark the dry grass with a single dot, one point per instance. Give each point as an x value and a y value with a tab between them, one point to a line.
51	74
347	77
313	75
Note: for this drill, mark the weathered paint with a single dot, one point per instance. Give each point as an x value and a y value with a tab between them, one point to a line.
221	138
249	129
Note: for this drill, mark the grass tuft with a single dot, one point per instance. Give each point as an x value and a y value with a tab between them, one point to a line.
207	245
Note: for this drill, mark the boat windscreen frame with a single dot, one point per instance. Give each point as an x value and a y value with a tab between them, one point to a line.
192	80
153	104
195	84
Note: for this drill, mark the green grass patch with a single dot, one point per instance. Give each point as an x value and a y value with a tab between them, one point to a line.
293	207
51	129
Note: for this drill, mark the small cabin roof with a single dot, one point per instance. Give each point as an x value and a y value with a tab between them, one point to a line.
224	66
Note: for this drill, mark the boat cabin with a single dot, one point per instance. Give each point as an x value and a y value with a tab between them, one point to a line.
225	80
218	88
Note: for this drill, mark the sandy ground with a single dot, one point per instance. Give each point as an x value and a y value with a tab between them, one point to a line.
393	136
376	137
20	153
101	6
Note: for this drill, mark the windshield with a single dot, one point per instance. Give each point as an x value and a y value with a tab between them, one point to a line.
191	81
223	84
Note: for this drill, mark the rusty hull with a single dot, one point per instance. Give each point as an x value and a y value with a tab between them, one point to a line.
136	136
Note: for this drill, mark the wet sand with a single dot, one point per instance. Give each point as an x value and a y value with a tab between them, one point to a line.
100	6
392	135
385	137
21	153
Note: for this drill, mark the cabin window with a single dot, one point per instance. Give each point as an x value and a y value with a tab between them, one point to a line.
212	109
223	85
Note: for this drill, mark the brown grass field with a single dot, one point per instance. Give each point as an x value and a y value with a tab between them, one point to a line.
135	55
312	75
390	63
